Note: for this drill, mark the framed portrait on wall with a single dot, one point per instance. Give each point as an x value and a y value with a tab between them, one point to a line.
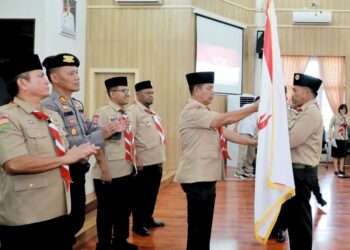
68	13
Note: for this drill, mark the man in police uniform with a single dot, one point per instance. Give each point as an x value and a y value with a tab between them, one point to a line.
62	71
114	170
150	146
202	163
305	137
34	196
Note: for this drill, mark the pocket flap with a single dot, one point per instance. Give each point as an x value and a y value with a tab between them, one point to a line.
29	182
36	133
116	156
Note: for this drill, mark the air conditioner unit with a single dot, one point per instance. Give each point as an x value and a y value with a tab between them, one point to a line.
235	102
139	1
312	17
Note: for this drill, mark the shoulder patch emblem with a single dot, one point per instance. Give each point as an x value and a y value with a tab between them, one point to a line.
62	99
65	107
4	122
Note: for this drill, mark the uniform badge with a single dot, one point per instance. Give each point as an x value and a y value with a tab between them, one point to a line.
65	107
73	131
31	122
95	119
77	105
68	59
72	121
62	99
4	122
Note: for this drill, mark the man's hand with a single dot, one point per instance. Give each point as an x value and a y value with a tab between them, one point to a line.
253	143
139	164
256	105
105	176
76	154
113	127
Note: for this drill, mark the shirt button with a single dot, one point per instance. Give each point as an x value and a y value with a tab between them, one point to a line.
31	185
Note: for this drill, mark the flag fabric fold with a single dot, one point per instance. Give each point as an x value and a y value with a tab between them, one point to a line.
274	182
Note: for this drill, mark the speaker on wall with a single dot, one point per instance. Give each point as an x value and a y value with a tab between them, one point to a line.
260	42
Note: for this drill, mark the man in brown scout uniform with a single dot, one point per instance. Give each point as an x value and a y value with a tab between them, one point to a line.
203	152
150	146
305	137
34	172
113	172
62	71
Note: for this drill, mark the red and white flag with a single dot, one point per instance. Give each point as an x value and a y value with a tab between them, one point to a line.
274	182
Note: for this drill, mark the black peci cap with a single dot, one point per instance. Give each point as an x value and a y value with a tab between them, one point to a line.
200	78
116	81
143	85
10	69
307	81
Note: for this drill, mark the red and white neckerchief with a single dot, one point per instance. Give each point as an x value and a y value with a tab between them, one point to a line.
158	125
64	169
341	129
129	138
223	143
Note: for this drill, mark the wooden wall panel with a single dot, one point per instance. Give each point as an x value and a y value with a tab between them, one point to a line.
155	41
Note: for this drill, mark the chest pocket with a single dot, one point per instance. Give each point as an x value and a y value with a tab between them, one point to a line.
29	182
145	123
39	142
147	134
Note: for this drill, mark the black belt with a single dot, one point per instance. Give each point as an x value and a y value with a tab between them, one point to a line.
301	166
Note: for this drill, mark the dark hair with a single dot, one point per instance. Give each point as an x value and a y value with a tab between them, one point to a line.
111	90
341	106
191	87
48	73
12	87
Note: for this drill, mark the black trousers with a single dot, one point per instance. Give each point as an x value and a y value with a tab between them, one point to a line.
298	210
113	210
51	234
200	211
78	196
145	191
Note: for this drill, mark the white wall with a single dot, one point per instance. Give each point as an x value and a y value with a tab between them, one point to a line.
48	40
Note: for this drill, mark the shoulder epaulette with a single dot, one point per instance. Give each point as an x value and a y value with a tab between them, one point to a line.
193	106
7	107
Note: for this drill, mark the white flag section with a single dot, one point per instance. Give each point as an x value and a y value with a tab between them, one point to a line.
274	182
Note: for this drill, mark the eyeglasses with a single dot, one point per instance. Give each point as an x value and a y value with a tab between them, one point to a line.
125	91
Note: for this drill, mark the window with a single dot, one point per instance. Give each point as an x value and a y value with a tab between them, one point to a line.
313	69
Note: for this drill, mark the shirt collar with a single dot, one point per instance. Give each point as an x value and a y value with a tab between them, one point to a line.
27	107
309	103
116	107
193	101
